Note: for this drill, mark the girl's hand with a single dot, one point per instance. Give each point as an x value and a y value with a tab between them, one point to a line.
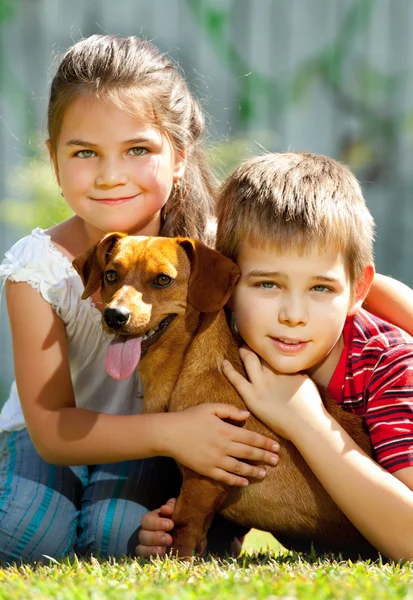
281	401
202	441
154	538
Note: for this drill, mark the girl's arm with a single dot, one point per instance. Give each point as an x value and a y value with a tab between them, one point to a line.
65	434
391	300
376	502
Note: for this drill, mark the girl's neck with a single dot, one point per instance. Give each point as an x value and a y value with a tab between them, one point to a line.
75	236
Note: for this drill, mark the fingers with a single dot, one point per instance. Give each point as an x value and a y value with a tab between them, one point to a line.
146	551
255	454
255	440
167	509
153	521
153	536
153	539
228	411
229	478
238	381
237	467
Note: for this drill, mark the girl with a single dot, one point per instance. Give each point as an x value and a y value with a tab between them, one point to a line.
124	140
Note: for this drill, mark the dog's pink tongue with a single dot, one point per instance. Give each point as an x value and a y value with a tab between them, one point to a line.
122	356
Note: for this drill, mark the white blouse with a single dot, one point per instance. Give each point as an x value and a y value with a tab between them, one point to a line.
35	260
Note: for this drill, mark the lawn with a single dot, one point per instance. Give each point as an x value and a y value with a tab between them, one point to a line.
267	574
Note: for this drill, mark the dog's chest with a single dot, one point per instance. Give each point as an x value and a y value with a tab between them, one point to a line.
157	389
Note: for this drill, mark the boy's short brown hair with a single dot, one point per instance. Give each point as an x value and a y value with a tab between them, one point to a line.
296	200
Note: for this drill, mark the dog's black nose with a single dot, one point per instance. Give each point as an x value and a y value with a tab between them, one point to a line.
116	317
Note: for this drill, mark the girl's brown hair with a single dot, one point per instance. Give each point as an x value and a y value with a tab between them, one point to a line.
134	75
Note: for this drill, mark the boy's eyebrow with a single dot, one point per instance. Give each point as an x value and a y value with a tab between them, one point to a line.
258	273
325	278
285	275
138	140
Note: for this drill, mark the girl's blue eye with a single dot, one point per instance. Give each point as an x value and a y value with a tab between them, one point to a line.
85	153
268	285
138	151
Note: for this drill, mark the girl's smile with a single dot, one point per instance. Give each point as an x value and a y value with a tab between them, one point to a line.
115	201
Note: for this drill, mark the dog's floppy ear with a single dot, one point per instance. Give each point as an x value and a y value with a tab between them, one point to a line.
91	264
213	276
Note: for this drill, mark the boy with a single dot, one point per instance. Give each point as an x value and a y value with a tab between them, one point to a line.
298	227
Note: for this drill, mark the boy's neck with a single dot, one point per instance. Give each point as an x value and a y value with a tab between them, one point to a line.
322	373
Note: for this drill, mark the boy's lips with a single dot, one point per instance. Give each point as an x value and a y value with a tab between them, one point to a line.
289	345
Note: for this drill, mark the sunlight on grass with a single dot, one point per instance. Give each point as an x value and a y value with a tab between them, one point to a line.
261	541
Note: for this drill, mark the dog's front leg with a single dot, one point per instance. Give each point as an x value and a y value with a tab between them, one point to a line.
198	501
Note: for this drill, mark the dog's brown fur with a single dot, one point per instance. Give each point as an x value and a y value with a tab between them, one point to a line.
183	368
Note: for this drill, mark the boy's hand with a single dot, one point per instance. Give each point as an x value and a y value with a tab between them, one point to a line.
154	538
200	439
281	401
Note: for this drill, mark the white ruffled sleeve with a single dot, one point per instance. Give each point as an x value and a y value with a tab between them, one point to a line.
35	261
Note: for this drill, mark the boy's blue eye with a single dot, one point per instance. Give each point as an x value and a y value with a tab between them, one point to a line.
321	288
138	151
85	153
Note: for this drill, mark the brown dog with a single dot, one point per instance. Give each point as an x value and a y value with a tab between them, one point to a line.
164	299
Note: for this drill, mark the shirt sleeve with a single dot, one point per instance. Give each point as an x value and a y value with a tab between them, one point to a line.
33	260
389	409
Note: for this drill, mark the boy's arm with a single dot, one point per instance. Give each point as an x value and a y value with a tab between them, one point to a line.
391	300
378	504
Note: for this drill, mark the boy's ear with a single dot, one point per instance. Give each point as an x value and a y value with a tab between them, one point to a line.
53	159
362	289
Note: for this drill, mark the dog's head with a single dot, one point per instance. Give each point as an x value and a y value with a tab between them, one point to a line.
146	283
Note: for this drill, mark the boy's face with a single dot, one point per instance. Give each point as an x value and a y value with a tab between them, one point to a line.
291	308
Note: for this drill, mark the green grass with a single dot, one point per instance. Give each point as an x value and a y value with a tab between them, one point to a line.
268	574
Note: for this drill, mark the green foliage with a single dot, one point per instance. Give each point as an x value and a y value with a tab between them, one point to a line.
36	200
226	156
7	9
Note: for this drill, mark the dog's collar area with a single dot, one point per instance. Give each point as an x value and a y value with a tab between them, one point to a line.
153	335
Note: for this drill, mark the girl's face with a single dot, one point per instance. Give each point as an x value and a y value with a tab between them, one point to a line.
116	170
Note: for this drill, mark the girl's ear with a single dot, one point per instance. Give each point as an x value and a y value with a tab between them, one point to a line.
180	164
54	161
361	290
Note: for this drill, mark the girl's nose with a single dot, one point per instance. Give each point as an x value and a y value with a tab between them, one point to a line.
293	311
111	173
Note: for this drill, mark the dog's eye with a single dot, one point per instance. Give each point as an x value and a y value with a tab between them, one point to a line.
162	281
111	276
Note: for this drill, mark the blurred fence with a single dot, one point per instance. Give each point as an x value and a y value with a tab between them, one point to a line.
329	76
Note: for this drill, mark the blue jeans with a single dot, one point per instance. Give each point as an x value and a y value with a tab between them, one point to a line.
56	511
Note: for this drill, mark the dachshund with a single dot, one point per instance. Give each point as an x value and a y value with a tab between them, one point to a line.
164	302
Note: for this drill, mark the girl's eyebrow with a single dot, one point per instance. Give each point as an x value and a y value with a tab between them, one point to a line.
76	142
138	140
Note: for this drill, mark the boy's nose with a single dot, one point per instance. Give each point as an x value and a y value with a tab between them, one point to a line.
293	312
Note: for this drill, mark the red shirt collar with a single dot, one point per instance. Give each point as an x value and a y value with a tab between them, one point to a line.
336	385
